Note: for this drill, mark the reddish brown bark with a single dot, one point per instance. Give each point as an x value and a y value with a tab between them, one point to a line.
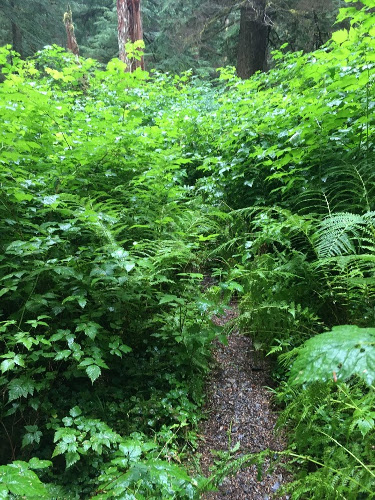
129	29
72	42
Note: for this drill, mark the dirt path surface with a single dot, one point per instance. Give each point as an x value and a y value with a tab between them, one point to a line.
239	405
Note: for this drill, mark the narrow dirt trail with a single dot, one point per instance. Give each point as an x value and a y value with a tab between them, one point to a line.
239	405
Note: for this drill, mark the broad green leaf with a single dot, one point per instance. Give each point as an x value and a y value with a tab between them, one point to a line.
60	449
21	481
21	196
129	266
36	463
125	348
166	299
71	458
68	421
31	437
64	354
87	362
131	450
345	351
82	301
365	425
3	491
75	412
340	36
90	328
60	334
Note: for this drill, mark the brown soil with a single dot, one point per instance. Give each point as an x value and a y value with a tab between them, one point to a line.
239	408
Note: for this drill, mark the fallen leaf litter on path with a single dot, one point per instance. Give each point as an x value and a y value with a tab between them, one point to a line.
240	411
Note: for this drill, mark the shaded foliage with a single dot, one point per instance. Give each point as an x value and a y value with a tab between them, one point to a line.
119	191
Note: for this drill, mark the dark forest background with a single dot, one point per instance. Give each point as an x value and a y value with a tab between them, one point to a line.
179	34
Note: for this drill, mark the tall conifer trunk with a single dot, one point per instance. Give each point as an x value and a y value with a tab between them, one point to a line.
129	29
252	44
16	33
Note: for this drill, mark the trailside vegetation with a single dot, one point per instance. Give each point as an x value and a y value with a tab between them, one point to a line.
120	191
104	333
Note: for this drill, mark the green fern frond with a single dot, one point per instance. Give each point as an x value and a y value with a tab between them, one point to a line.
345	233
228	246
338	187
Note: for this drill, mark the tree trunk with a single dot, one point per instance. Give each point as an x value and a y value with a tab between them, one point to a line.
129	29
252	44
16	33
72	42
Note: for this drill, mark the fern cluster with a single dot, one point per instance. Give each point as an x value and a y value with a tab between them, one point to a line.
296	169
332	427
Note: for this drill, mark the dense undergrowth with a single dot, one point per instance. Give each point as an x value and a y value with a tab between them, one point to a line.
119	192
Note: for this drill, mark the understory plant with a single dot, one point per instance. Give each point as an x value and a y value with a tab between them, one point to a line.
105	334
294	164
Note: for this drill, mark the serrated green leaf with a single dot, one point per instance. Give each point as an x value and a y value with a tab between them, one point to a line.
90	328
36	463
166	299
365	425
31	438
82	301
68	421
125	348
18	359
21	481
6	365
26	341
3	492
87	362
131	450
20	387
63	354
71	458
93	371
60	449
60	334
